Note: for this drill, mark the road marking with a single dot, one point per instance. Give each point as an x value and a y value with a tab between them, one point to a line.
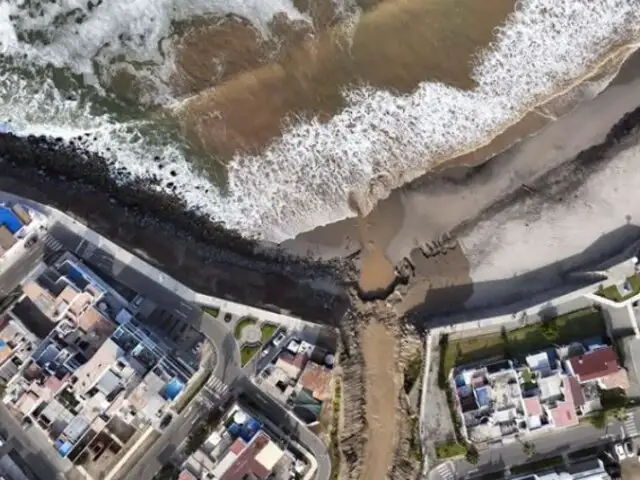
630	426
218	386
52	243
445	471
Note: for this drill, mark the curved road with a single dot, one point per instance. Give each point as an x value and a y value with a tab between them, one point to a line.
227	370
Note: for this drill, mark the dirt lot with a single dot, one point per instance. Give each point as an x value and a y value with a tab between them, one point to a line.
378	346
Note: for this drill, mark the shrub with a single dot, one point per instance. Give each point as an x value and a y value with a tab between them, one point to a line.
549	330
472	455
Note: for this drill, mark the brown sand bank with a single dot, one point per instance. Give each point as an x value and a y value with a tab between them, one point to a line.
424	210
394	46
379	350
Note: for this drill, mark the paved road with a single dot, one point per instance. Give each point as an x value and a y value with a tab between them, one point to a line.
170	295
33	447
234	376
162	450
16	268
551	444
126	269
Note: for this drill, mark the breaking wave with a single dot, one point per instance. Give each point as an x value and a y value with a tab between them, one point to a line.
305	178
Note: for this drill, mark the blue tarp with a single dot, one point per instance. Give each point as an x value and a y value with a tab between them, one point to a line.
76	275
234	430
173	389
65	449
9	220
250	429
246	431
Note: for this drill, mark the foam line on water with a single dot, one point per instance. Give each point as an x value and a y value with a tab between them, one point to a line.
379	141
135	29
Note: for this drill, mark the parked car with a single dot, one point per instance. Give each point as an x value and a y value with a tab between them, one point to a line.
279	339
619	452
166	420
265	352
31	241
628	447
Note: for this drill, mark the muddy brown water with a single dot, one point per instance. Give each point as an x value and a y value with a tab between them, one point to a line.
395	46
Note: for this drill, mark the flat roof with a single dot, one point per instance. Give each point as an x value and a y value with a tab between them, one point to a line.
270	455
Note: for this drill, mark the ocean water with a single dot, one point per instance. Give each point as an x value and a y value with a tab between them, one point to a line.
58	60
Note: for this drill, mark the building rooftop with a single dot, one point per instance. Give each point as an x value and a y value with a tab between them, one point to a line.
246	464
9	219
42	299
595	364
532	405
564	413
269	456
186	475
105	356
7	240
620	379
550	387
576	391
316	378
5	352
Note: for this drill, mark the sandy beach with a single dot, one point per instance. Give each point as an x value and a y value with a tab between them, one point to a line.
441	202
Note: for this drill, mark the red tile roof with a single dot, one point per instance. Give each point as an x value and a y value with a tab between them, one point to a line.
576	391
246	462
186	475
532	404
594	365
238	446
564	414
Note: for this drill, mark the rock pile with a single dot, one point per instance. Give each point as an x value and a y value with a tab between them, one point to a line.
354	431
76	181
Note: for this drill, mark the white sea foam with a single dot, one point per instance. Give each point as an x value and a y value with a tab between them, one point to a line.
379	141
134	29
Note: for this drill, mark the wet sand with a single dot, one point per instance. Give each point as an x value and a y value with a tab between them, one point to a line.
441	201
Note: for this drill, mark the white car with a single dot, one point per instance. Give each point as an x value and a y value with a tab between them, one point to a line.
279	339
618	449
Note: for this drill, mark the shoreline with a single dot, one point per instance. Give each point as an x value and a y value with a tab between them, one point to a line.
412	217
321	264
191	248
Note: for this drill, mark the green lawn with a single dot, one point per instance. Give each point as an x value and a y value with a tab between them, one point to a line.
448	450
242	323
268	329
213	311
572	326
247	352
612	292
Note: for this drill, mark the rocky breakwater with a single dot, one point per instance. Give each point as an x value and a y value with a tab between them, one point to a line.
157	224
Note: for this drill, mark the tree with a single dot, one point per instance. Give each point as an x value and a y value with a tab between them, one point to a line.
472	455
529	449
599	419
549	330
